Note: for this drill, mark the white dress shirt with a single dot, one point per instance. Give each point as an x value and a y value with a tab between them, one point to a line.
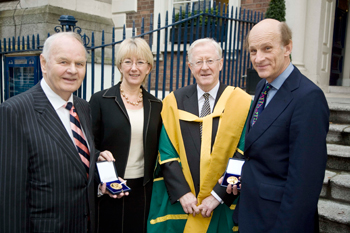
212	96
58	104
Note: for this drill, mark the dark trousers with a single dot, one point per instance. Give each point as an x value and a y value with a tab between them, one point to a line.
128	214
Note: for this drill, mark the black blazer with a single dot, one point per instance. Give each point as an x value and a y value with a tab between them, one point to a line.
287	154
174	179
44	187
112	129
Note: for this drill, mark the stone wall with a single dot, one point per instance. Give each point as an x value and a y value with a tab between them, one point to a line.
42	20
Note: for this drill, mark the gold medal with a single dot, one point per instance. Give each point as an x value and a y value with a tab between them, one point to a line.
116	186
232	180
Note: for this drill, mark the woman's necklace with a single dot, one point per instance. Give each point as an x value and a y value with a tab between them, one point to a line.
127	99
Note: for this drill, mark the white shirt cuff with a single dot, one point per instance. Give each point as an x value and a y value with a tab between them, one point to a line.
216	196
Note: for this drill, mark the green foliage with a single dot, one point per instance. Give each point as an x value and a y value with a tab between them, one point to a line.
183	15
276	10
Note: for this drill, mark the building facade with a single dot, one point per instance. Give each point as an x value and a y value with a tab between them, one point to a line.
321	45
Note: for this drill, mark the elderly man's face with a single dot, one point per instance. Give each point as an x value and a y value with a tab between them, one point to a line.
268	56
207	75
64	70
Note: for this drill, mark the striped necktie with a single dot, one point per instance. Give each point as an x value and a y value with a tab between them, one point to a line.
79	138
205	109
261	103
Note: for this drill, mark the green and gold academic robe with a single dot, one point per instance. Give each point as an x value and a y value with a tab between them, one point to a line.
232	109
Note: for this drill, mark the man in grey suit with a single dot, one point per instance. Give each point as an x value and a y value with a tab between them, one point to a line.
45	186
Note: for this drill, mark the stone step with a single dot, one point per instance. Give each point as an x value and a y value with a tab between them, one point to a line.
339	134
338	157
339	89
340	187
336	186
339	113
334	216
325	192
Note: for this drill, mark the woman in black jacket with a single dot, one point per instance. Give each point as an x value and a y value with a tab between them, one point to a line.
126	121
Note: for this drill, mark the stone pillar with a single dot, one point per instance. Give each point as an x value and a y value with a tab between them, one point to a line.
296	20
119	10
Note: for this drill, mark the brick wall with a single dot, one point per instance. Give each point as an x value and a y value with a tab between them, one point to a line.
255	5
146	7
144	10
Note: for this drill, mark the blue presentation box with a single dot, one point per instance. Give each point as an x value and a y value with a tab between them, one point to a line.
233	172
108	174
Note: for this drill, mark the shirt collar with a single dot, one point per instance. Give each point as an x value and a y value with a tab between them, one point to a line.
213	92
277	83
55	100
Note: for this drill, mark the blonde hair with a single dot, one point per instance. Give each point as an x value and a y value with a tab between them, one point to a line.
134	47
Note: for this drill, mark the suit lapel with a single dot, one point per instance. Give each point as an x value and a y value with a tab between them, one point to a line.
256	97
85	122
146	114
221	89
190	104
277	105
114	92
51	123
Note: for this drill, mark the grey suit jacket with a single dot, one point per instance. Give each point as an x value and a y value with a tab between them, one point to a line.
44	184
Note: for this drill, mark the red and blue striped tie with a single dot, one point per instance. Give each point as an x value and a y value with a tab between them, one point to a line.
79	138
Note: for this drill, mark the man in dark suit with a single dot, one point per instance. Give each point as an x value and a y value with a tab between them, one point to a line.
46	184
285	144
202	127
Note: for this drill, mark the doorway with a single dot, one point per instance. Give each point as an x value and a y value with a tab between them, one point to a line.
339	73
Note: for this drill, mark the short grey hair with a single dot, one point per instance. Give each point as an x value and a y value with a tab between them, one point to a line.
204	41
48	42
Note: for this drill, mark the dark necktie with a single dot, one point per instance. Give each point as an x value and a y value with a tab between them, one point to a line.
261	103
79	138
205	109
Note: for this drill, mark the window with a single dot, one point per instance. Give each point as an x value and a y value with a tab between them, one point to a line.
162	6
196	4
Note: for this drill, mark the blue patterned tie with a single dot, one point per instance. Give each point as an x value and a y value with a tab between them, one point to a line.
261	103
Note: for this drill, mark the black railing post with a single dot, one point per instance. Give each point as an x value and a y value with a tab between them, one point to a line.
68	25
1	77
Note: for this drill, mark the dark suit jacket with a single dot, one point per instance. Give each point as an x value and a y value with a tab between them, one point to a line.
112	131
44	187
286	160
174	179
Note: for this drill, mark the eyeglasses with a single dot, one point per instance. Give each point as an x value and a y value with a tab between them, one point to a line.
129	63
201	62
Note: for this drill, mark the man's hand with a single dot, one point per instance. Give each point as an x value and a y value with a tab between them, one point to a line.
105	155
208	205
119	195
189	204
230	188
